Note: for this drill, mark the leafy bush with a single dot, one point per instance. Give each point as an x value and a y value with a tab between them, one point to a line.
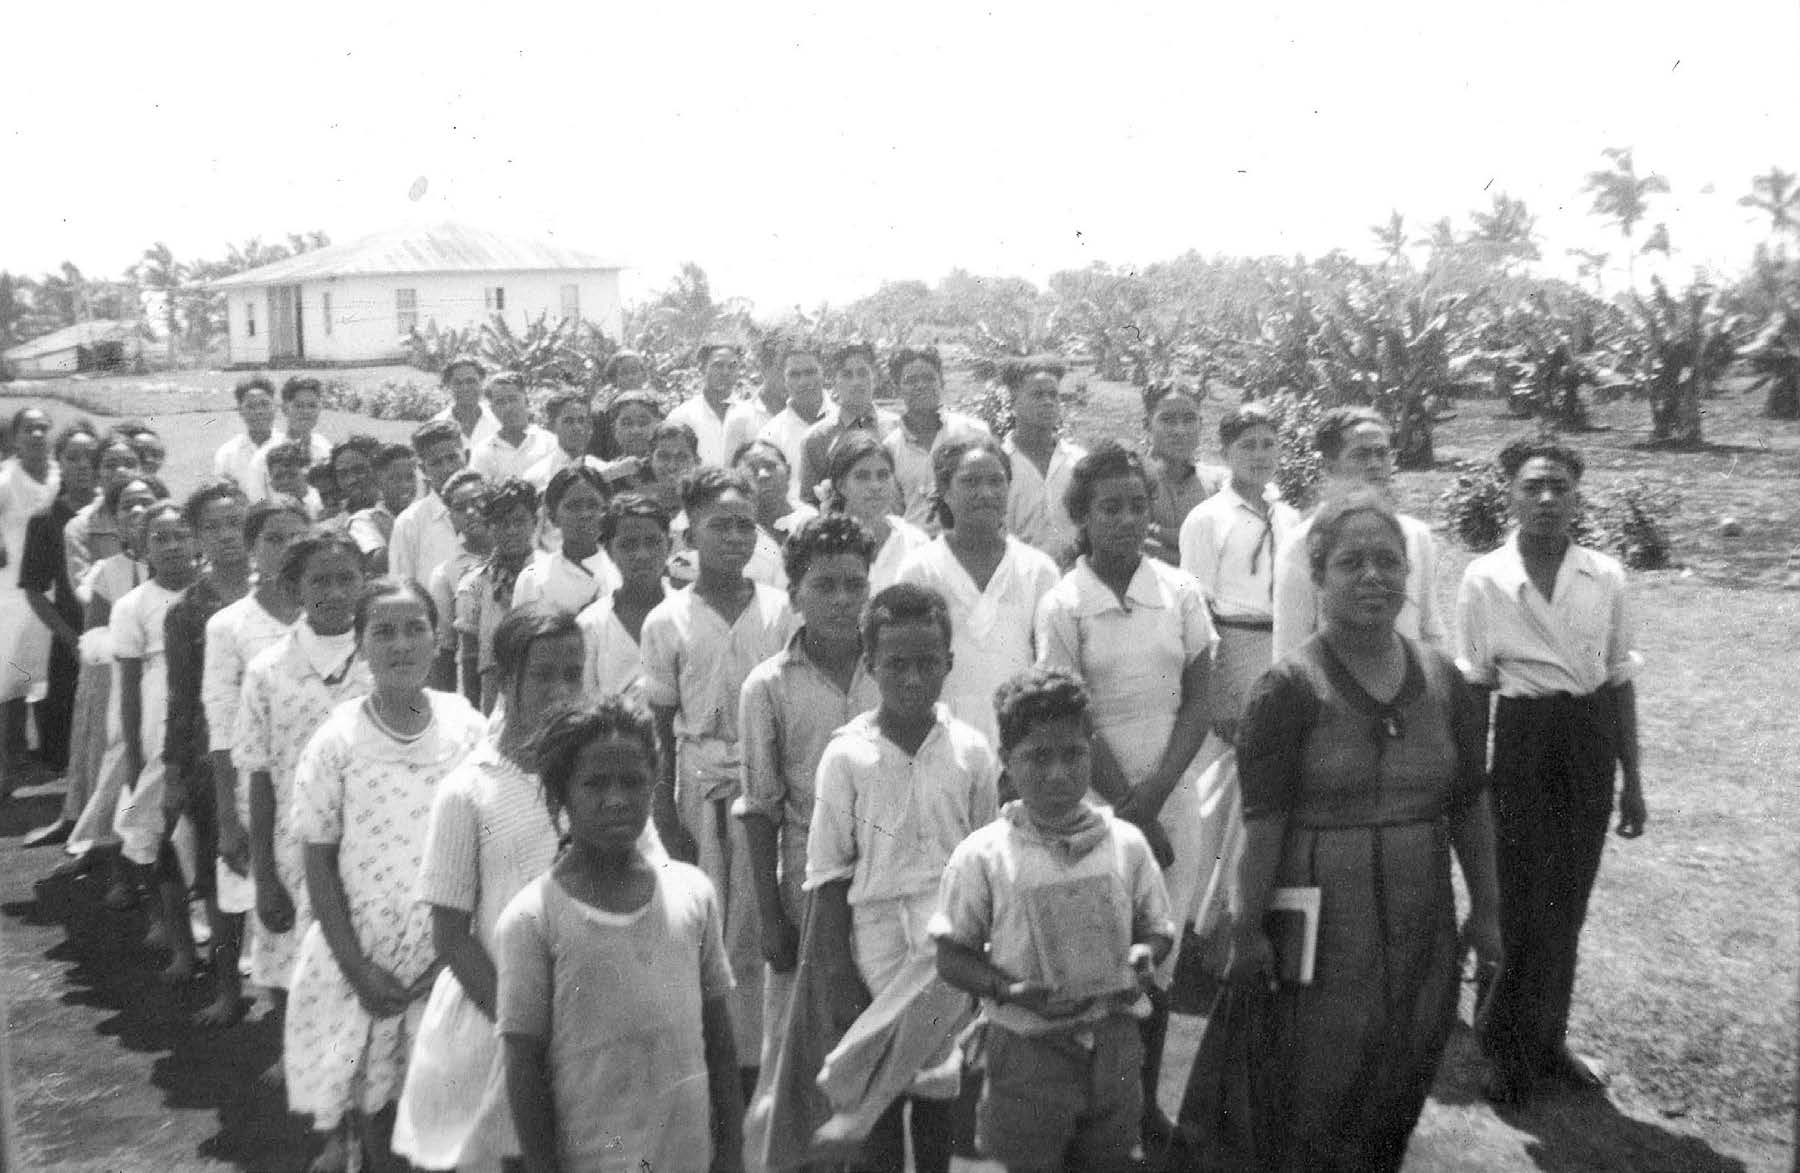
391	399
431	350
1298	470
1476	507
1627	519
992	405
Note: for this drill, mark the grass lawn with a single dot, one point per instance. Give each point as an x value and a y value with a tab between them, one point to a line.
1687	987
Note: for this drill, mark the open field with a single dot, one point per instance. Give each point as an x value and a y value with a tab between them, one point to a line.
1689	966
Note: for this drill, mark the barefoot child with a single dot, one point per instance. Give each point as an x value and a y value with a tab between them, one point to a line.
216	514
362	791
239	633
635	532
141	677
1055	916
699	645
898	788
489	837
611	1068
790	706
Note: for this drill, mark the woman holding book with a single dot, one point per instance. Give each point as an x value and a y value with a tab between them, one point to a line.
1361	773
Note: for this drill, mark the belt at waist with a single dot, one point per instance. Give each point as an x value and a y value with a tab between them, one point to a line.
1243	624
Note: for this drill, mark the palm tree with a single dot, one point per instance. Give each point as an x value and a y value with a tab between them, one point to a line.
1623	196
160	273
1776	194
1391	236
1507	232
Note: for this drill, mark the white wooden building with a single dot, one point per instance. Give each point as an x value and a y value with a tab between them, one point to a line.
357	302
86	346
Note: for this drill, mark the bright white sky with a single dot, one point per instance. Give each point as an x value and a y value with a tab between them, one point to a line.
808	151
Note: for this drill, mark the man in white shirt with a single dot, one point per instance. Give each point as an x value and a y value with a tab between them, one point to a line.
924	425
519	443
302	398
572	424
256	407
1043	462
705	413
423	537
463	379
1356	445
1545	624
747	418
803	374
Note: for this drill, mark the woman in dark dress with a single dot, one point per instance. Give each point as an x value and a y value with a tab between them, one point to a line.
1360	776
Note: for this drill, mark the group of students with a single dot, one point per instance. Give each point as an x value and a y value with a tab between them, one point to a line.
761	785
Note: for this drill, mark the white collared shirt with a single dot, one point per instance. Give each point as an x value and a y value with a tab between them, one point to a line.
1034	507
486	424
708	425
1512	639
787	431
1297	599
256	474
553	578
423	539
233	457
496	458
1229	547
742	423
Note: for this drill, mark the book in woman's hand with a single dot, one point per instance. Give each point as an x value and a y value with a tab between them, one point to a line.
1292	926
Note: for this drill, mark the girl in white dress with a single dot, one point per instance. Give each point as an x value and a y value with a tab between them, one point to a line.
1135	629
489	836
615	1068
363	793
576	570
863	484
635	532
992	582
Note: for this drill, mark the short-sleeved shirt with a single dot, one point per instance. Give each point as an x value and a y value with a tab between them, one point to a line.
912	459
742	423
496	458
237	634
1229	546
478	612
1297	598
789	709
695	662
887	820
423	539
991	628
626	1053
137	624
289	689
444	580
553	577
486	424
1511	639
1035	512
787	431
91	535
615	663
1174	492
371	529
256	475
708	425
231	459
1000	878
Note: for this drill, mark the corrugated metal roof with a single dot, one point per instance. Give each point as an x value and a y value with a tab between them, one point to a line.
438	248
69	337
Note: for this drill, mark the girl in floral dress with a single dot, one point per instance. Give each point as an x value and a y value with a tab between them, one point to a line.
363	793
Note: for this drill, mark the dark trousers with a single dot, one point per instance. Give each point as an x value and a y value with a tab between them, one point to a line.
55	714
1554	760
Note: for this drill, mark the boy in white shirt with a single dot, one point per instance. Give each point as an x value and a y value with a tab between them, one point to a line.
302	398
519	444
256	407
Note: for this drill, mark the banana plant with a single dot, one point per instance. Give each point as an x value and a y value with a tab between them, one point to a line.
1773	357
1684	345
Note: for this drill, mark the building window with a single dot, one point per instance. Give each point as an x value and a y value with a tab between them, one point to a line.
571	303
325	311
250	319
406	310
495	299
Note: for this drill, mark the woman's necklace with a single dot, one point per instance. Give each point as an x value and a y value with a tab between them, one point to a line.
373	704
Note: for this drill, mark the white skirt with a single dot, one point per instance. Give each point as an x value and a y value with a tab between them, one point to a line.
453	1112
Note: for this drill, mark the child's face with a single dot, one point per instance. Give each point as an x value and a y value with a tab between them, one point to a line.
579	514
169	546
921	387
118	462
1252	456
830	596
1038	404
279	531
31	441
150	452
399	641
869	492
512	531
978	491
549	680
1175	428
574	427
441	461
909	663
78	467
510	406
854	385
399	480
639	548
221	532
1051	767
302	412
329	584
134	502
632	425
1118	517
355	479
258	412
609	794
671	460
723	533
467	521
289	477
768	474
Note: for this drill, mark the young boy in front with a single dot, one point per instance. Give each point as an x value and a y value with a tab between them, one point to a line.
790	706
1055	916
897	789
